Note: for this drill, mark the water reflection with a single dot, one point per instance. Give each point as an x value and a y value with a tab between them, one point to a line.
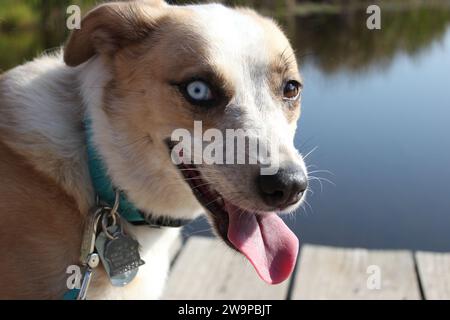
385	135
341	41
376	104
333	39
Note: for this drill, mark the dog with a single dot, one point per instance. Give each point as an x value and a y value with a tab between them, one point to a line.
132	74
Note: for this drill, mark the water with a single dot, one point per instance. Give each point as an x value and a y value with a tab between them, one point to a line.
377	107
384	133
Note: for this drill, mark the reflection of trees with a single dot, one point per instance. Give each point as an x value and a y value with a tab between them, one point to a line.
28	27
52	14
333	32
337	41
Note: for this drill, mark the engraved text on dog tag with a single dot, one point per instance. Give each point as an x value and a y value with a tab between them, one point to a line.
120	256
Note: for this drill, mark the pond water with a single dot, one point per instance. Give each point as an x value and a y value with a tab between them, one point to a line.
384	133
376	112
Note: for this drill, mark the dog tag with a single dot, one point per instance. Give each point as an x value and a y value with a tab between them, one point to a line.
120	256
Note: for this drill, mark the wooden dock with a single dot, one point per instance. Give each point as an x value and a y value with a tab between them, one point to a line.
204	268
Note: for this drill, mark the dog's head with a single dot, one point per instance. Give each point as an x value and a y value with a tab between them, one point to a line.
156	69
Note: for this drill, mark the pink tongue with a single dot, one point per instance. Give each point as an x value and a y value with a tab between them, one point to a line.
266	241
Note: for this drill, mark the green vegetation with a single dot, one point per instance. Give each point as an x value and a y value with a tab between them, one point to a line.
28	14
14	15
341	41
332	33
28	27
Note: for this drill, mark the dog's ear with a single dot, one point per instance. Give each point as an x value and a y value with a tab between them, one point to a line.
110	27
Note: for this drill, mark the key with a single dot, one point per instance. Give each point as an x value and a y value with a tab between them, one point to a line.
92	263
89	234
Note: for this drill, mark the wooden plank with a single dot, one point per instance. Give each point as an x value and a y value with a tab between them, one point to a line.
343	274
434	272
207	269
175	248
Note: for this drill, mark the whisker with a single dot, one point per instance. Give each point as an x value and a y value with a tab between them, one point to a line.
198	231
209	203
323	179
307	203
309	153
321	171
305	142
202	185
320	182
192	179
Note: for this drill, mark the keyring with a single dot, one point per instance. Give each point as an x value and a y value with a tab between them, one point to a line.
113	213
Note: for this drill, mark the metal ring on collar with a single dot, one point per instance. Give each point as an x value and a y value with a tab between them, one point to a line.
113	213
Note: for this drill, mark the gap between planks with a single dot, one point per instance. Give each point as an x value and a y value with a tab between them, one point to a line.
434	274
207	269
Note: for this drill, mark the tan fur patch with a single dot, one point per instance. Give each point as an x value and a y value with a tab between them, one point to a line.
41	232
133	56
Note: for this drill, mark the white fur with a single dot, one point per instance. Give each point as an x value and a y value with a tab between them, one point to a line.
42	108
241	47
46	112
48	100
141	177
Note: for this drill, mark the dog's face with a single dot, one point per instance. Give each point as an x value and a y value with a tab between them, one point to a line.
229	69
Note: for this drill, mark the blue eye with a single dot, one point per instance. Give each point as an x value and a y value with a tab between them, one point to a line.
199	91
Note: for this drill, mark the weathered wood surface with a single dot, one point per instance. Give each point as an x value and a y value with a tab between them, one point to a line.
207	269
175	248
434	272
336	273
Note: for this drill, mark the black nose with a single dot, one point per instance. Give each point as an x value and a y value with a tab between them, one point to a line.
285	188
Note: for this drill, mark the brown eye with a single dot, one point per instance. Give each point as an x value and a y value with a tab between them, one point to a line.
291	90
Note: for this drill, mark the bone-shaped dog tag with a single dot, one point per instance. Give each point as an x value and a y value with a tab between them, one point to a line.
120	256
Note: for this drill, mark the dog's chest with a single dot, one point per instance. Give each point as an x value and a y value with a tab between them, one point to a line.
149	284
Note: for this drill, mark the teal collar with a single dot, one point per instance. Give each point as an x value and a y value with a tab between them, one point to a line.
106	192
102	183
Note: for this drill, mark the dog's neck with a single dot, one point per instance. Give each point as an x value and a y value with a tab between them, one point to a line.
106	192
43	106
49	132
41	119
147	186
